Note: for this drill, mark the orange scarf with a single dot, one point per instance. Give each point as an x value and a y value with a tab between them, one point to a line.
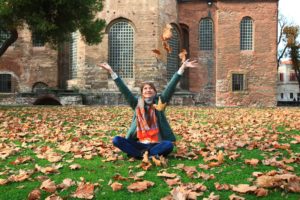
147	126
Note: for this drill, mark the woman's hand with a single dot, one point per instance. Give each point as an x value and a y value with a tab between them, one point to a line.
189	63
106	67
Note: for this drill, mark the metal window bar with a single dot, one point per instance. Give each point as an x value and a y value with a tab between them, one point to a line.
237	82
121	43
246	34
206	34
173	58
4	35
5	83
73	55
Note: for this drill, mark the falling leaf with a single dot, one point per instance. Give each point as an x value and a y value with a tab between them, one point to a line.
160	107
167	47
116	186
167	32
139	186
156	52
34	195
182	55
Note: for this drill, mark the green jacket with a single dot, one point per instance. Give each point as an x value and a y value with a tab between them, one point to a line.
165	130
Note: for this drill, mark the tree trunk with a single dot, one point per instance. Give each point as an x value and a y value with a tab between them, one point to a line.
9	41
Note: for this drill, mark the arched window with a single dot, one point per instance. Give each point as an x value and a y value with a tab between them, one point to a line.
120	53
73	55
206	34
5	83
173	58
246	34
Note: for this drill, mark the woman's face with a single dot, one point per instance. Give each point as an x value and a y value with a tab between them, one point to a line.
148	91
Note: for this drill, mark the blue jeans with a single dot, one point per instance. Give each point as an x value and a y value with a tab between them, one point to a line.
136	149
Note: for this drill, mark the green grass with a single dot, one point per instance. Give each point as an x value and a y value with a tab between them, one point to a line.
102	123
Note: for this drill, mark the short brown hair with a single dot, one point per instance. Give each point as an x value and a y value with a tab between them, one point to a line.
148	83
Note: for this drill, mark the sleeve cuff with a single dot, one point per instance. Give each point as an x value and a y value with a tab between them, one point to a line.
180	71
114	76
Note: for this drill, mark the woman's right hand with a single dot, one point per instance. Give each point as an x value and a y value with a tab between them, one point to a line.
106	67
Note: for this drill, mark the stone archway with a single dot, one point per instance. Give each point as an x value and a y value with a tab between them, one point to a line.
47	100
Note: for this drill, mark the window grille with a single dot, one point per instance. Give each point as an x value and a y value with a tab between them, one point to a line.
206	34
5	83
73	55
173	58
246	34
121	44
4	35
238	82
37	41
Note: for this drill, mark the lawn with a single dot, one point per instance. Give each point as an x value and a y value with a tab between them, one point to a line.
221	153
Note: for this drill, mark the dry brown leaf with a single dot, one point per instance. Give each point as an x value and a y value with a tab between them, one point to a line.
3	181
48	186
167	175
172	182
139	186
54	197
23	175
84	191
235	197
167	47
75	166
167	32
34	195
243	188
179	193
157	52
219	186
116	186
182	55
261	192
21	160
212	196
252	161
66	184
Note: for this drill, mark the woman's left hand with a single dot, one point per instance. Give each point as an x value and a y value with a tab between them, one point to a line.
189	63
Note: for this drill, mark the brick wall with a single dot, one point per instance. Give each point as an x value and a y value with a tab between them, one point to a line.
28	64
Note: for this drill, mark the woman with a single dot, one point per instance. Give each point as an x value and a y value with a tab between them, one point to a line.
149	130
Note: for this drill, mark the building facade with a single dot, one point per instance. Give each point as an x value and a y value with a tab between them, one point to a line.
287	85
229	38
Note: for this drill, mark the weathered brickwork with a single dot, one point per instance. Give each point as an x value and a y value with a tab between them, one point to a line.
29	65
209	84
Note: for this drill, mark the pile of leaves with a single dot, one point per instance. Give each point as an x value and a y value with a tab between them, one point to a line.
228	153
